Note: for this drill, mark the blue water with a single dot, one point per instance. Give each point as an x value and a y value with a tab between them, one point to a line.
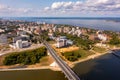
106	67
112	24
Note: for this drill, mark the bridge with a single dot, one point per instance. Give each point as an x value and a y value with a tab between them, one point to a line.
64	67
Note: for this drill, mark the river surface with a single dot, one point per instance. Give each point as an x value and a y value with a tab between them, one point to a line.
106	67
112	24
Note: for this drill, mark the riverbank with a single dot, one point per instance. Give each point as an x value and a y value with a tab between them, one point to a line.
87	58
96	55
45	64
38	68
82	69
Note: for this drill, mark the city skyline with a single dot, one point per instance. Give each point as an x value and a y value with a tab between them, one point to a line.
60	8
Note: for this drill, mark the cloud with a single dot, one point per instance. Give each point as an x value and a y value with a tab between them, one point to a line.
46	8
88	5
59	5
66	8
3	7
9	11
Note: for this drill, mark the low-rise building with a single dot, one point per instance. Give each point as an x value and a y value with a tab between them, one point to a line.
20	44
21	37
51	35
20	32
69	42
62	41
3	39
1	30
102	37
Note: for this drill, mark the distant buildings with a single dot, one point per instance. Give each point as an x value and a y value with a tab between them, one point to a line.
37	30
3	39
1	30
51	35
101	36
20	32
21	40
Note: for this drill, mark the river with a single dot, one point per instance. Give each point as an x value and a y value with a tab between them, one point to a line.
112	24
106	67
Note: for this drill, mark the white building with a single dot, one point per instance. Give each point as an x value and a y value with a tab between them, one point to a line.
20	44
69	42
62	41
55	29
25	44
78	32
73	30
21	33
102	37
1	30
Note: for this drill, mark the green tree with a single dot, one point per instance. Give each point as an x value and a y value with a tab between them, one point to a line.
25	57
115	40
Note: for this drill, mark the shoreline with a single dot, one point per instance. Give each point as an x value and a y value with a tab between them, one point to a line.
55	68
96	55
38	68
87	58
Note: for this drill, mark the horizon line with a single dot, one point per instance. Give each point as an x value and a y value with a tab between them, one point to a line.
55	17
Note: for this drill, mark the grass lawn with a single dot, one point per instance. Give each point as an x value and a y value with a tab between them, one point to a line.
51	42
74	54
84	53
118	45
99	49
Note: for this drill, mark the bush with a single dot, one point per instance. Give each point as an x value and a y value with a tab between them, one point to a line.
72	56
25	57
115	40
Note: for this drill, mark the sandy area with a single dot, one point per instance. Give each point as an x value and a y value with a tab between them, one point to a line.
67	49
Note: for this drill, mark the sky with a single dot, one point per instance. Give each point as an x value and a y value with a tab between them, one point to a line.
59	8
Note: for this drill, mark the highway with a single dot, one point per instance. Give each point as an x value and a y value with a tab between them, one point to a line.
64	67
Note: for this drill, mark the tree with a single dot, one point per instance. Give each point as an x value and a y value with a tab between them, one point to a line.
25	57
115	40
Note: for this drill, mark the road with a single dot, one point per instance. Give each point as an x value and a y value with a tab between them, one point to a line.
64	67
